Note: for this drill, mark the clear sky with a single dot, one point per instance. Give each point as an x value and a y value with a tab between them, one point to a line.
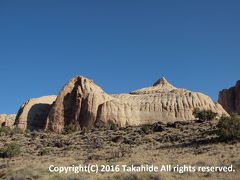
122	45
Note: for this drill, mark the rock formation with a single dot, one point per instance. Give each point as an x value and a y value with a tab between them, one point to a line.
7	120
33	113
82	103
160	102
76	105
230	98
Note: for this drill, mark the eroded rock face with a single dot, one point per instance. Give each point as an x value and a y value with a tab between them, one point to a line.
82	103
160	102
230	98
76	105
33	113
7	120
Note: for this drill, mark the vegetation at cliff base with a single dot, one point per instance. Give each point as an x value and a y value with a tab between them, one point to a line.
229	128
204	115
11	150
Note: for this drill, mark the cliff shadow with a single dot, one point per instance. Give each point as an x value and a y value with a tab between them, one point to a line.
37	116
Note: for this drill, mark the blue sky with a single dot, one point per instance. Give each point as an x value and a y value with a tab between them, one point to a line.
121	45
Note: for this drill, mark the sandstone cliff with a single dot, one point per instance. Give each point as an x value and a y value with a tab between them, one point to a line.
160	102
7	119
76	105
230	98
82	103
33	113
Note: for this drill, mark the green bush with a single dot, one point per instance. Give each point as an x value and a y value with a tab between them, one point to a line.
68	129
5	130
11	150
113	126
229	128
44	151
146	128
204	115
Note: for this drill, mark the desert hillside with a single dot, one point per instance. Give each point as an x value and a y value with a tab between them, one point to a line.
192	143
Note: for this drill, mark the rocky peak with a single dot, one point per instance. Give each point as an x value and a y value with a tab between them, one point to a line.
160	82
161	85
76	105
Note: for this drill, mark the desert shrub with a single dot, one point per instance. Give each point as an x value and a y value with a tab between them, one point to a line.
68	129
8	131
27	131
44	151
59	143
229	128
35	133
113	126
204	115
5	130
158	127
146	128
17	130
11	150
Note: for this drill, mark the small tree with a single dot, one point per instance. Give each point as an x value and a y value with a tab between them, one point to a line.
204	115
11	150
229	128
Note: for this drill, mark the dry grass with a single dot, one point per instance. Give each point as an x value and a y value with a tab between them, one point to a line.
192	143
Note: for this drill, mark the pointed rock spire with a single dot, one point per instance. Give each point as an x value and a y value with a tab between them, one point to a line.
161	85
162	81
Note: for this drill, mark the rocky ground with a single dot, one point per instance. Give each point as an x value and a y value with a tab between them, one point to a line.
191	143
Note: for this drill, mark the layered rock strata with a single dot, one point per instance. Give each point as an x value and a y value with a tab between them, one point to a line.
83	104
